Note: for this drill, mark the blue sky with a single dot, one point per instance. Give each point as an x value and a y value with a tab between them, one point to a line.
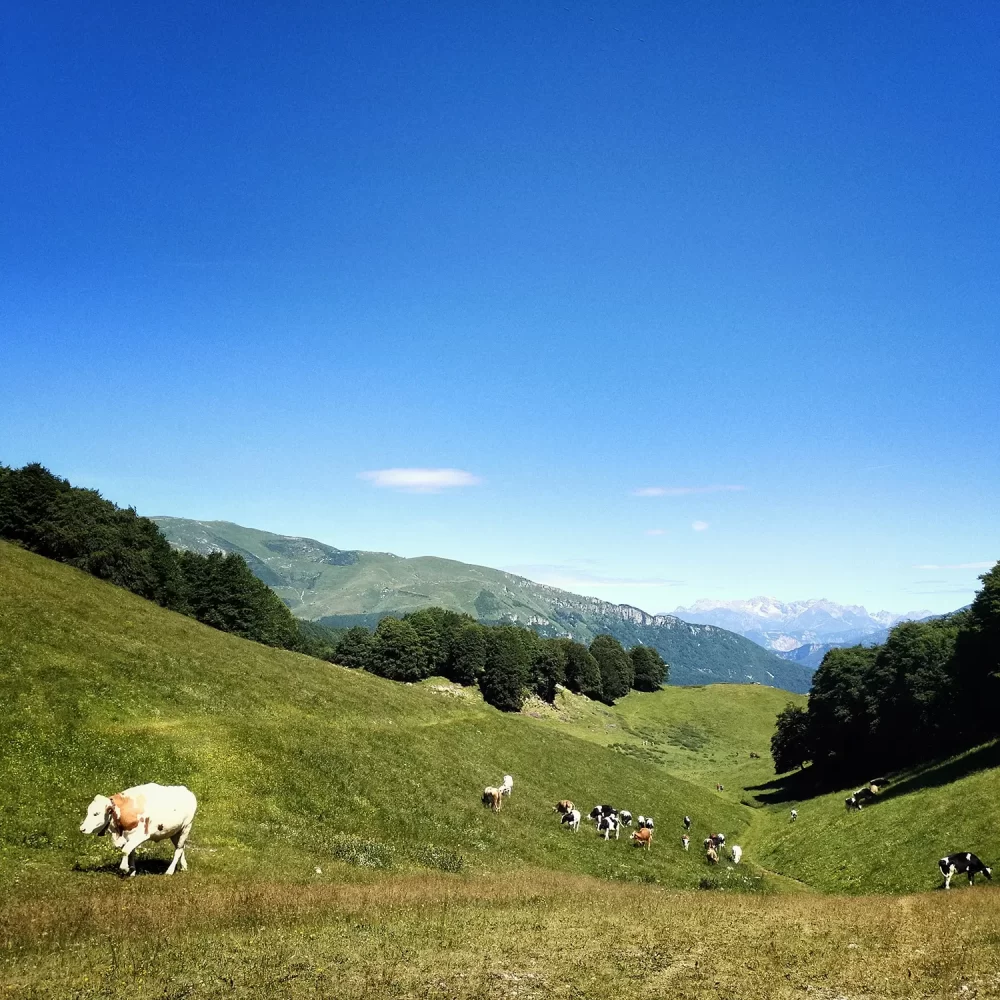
571	250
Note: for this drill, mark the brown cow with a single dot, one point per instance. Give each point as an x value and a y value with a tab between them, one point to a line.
564	806
713	856
643	837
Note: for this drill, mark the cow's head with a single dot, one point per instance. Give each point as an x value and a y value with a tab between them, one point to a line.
98	817
988	872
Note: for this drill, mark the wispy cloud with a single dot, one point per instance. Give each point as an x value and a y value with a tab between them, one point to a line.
420	480
655	531
972	565
700	525
683	491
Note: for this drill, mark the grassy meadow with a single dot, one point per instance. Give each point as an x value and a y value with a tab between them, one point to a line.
340	848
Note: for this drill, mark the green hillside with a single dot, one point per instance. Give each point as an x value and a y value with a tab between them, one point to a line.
340	849
297	763
345	587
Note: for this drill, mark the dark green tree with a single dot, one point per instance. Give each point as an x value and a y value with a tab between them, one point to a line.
222	592
548	670
583	673
790	742
438	628
840	720
468	654
505	673
977	666
649	670
909	693
355	649
615	665
397	652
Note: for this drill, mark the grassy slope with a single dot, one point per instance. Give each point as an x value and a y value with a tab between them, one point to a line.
300	764
296	763
892	845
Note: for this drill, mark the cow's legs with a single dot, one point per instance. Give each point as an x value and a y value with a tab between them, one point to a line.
179	840
128	855
947	877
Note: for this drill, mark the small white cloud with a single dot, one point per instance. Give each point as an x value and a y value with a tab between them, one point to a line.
683	491
420	480
655	531
700	525
974	565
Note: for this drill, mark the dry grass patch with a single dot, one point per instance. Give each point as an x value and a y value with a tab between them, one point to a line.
525	935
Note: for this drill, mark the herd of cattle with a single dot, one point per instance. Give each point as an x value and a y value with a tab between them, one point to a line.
161	812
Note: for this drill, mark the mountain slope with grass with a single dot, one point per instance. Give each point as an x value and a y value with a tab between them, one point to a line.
342	588
297	763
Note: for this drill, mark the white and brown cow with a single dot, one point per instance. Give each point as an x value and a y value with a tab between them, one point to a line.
643	837
146	812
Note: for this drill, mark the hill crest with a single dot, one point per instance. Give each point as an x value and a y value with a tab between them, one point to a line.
343	587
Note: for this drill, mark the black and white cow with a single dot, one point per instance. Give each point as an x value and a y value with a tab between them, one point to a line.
572	819
649	823
609	825
687	822
599	811
957	864
851	802
625	818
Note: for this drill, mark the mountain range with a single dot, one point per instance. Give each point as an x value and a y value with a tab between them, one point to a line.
799	631
344	587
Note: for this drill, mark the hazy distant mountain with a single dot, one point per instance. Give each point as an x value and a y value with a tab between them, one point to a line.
786	627
346	587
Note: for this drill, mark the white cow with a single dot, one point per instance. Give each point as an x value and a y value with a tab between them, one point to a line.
736	852
146	812
507	786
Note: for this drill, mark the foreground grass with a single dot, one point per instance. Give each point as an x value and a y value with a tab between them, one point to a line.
521	935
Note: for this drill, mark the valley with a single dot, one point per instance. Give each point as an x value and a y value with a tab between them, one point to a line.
340	847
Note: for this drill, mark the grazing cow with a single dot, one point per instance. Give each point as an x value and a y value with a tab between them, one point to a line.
754	756
507	785
648	824
493	797
851	802
687	822
609	825
572	820
625	818
685	841
736	853
864	794
146	812
795	816
600	811
718	840
956	864
640	822
564	806
642	838
713	856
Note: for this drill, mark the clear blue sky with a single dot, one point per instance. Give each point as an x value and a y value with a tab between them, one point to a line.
249	252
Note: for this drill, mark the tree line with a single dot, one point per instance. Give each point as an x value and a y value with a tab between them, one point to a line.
507	662
45	514
49	516
930	690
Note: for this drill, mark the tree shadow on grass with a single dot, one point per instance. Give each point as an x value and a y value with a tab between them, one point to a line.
809	782
943	772
791	787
